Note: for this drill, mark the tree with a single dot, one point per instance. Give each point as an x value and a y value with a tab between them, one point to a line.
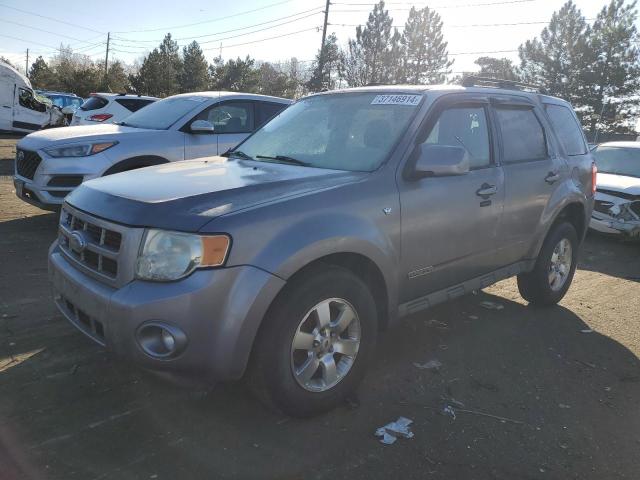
235	75
4	59
612	77
501	68
272	81
331	57
557	61
161	70
117	79
426	57
41	75
195	76
368	57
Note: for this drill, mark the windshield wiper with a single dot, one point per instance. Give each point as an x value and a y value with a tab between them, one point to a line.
237	153
284	159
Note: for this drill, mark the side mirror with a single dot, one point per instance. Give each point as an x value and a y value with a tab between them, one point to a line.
201	126
440	161
69	110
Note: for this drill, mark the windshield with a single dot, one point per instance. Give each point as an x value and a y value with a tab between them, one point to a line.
618	160
162	114
353	131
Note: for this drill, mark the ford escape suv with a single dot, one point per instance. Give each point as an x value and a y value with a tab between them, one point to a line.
280	261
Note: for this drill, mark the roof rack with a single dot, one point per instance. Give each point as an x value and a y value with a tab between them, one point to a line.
476	81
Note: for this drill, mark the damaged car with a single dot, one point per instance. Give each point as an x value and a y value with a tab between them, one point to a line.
617	201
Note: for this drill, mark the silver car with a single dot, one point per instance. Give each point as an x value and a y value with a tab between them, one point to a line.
51	163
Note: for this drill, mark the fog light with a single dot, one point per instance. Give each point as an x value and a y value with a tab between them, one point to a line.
160	340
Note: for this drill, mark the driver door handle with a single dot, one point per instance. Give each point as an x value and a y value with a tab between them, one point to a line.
486	190
552	177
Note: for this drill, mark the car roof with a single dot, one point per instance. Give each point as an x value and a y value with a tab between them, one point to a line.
122	95
620	144
234	95
444	89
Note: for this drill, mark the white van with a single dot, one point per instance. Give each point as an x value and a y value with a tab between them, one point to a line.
20	109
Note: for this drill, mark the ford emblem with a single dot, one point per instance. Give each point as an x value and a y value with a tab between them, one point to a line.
77	242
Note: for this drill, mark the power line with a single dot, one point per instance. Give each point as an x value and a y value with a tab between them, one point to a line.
413	4
29	41
51	18
270	38
207	21
317	10
471	25
43	30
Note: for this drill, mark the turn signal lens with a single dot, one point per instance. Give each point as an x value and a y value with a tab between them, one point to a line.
594	177
214	250
101	147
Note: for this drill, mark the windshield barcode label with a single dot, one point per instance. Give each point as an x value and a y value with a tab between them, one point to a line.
411	100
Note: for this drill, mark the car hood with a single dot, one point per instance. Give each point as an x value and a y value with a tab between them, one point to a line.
618	183
187	195
83	133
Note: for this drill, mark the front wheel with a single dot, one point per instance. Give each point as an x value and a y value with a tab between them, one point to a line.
553	272
315	343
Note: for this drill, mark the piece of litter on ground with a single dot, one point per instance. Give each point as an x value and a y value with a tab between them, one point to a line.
392	431
449	411
436	323
586	330
430	365
564	405
491	305
474	317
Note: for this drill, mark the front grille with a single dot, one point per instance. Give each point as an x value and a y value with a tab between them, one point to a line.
94	246
615	193
27	163
89	325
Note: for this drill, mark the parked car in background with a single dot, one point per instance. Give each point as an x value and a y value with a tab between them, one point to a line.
21	109
50	164
349	210
617	203
109	108
67	102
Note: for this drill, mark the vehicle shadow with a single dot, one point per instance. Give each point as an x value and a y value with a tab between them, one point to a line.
530	393
611	256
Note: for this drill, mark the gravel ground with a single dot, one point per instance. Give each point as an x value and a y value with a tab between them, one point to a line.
537	393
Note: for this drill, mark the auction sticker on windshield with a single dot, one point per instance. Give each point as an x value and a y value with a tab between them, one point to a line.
411	100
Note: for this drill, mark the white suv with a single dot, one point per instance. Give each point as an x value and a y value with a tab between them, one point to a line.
109	108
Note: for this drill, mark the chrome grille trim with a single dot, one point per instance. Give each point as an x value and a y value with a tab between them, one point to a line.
110	251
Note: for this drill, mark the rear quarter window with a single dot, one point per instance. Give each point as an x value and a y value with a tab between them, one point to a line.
266	111
133	104
94	103
567	129
523	138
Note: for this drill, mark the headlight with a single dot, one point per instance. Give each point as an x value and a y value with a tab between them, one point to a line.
80	150
167	256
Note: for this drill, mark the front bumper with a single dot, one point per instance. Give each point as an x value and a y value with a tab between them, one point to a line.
615	227
219	310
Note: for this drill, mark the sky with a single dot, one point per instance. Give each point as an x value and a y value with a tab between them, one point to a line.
472	28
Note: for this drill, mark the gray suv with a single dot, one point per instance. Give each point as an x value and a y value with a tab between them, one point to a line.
281	261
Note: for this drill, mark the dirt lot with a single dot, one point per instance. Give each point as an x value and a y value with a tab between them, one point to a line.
565	380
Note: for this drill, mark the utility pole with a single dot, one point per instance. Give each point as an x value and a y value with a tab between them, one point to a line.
324	38
106	58
26	65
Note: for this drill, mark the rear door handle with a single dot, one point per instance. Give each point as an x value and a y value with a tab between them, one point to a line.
552	177
486	190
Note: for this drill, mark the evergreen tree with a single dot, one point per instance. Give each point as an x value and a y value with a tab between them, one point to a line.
235	75
117	80
331	56
353	68
41	75
613	74
427	60
558	60
501	68
195	76
272	81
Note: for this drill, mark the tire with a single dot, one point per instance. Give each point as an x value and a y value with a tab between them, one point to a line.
541	286
275	361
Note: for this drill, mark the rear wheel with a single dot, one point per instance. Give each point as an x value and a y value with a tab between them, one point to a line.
316	341
551	277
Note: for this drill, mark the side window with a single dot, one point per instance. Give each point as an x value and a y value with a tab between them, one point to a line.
567	129
464	127
27	100
523	138
266	111
236	117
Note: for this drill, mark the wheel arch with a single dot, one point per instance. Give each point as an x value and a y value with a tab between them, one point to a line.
133	163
